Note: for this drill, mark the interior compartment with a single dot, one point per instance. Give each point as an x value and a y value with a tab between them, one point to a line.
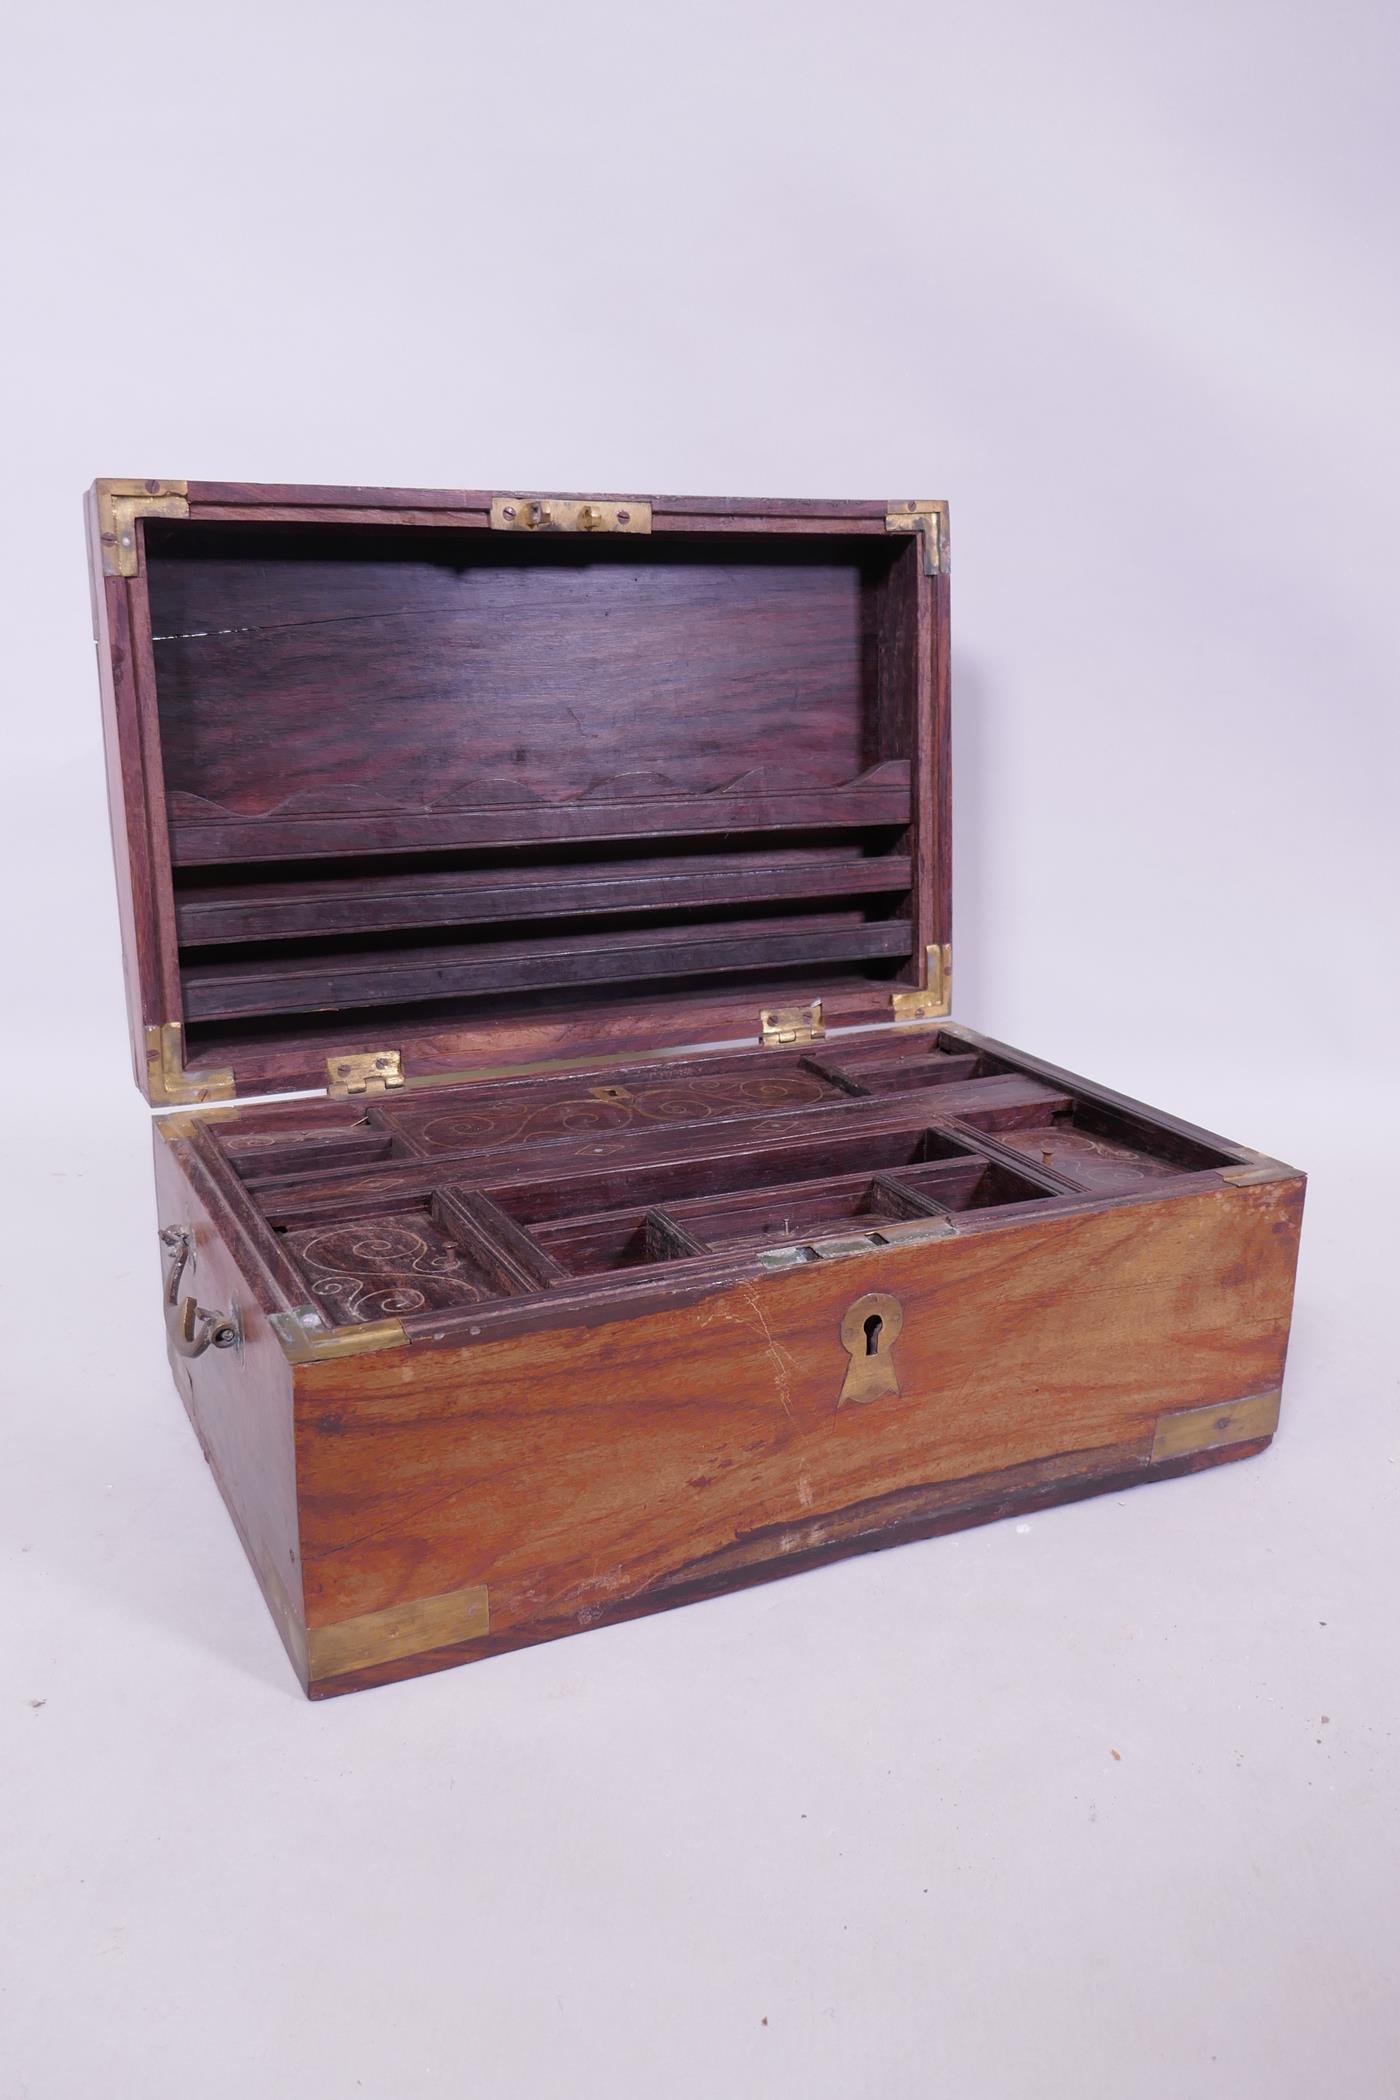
574	1189
619	1239
901	1067
805	1210
1103	1149
424	775
255	1156
392	1263
437	1201
975	1184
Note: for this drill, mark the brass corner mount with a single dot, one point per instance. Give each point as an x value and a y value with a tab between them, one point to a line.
168	1084
933	1000
120	504
929	518
308	1339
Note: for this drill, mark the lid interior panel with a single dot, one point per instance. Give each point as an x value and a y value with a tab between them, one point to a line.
425	776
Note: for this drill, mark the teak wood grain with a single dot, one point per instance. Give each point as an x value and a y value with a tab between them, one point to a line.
648	1415
593	1468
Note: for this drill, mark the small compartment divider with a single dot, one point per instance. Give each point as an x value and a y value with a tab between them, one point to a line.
495	1241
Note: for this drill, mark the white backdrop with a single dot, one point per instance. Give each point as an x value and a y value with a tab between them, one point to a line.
1120	283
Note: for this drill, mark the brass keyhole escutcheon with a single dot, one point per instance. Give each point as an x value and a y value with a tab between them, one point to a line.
869	1330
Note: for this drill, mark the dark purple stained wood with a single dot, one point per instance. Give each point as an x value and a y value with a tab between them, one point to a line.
1101	1150
309	1153
565	1029
332	687
128	797
412	676
598	1171
387	1265
217	990
886	1075
651	1097
799	1211
367	902
495	1240
255	499
877	802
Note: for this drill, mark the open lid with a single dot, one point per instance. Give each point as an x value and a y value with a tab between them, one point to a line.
416	783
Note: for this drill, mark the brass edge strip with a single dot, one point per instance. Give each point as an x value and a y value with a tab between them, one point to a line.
398	1630
120	504
305	1344
1258	1169
1211	1428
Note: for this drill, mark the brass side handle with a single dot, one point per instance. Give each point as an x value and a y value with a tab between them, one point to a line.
190	1327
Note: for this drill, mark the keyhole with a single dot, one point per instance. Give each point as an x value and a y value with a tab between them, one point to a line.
869	1331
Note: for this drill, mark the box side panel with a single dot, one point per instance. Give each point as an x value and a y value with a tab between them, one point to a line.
240	1403
126	796
455	1501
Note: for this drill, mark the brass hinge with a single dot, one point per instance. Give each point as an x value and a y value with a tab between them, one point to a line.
930	519
570	514
936	997
120	504
781	1025
364	1072
168	1084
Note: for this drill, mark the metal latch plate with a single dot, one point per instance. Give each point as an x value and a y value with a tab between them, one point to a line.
570	514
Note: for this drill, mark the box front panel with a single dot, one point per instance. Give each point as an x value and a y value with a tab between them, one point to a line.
459	1500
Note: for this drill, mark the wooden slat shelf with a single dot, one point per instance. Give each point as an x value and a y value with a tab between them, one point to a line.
317	982
209	840
244	911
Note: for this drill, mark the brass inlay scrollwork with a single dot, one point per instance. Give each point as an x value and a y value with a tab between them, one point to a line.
384	1267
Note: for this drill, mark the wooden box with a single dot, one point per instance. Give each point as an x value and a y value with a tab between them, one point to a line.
652	1229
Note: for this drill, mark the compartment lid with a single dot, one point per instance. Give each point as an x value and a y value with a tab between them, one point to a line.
409	784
